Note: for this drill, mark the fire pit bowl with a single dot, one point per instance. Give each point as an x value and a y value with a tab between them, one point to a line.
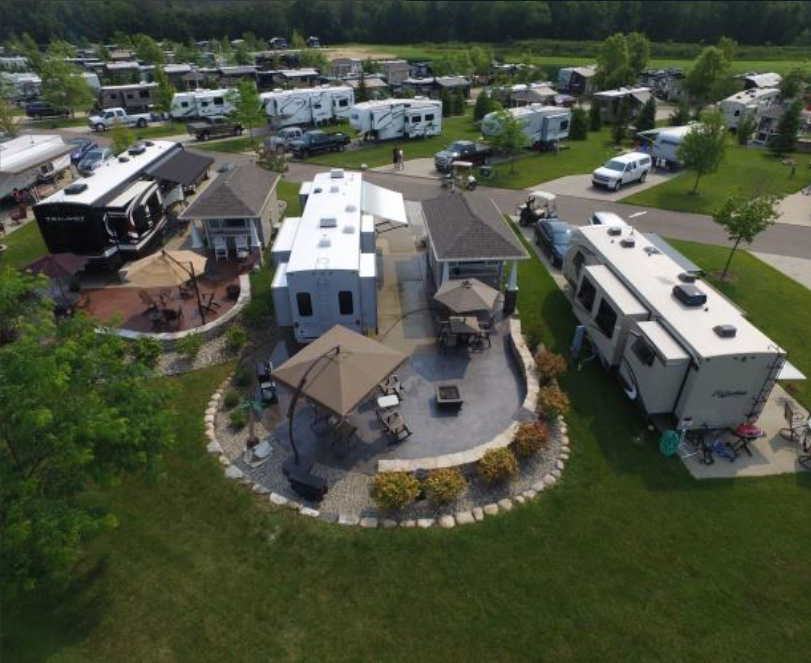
449	394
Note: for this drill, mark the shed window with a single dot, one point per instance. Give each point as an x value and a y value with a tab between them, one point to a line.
587	294
345	304
606	318
305	304
564	125
644	352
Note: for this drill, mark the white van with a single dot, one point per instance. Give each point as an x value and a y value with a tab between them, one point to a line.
623	169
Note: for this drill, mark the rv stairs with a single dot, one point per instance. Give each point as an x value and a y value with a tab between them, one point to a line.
768	385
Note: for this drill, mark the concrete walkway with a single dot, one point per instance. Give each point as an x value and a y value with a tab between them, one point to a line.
795	209
798	269
423	168
580	186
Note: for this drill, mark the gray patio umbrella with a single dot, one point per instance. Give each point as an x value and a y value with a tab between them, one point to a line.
466	295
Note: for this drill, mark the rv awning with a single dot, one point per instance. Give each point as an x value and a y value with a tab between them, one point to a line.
129	194
183	167
687	265
790	372
383	203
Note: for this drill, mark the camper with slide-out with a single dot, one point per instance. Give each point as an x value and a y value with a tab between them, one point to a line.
682	351
544	126
749	103
663	143
387	119
202	103
306	106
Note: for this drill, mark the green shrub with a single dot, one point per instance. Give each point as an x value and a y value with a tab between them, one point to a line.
549	365
238	419
392	491
579	128
147	351
236	337
529	439
445	485
242	378
497	466
231	400
552	402
190	346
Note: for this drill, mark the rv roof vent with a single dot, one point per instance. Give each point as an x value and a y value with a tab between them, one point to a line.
348	228
324	242
329	222
334	188
725	331
123	158
652	250
689	295
684	277
627	242
317	189
351	208
137	149
614	231
149	143
336	173
75	188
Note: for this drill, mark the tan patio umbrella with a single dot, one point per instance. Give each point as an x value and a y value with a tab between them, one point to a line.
466	295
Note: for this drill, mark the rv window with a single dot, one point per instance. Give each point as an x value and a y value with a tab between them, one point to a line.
578	260
429	118
345	304
737	112
305	304
587	294
644	352
204	104
129	95
415	119
218	101
144	94
606	318
343	103
184	104
564	125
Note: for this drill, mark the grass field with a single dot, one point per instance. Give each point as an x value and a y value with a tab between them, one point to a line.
778	305
749	170
627	559
24	246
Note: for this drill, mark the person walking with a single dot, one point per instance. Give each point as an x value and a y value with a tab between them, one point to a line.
400	159
395	156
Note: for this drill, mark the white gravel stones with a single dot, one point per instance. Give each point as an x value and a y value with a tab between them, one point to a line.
519	499
292	504
550	480
538	486
491	509
233	472
425	523
224	460
368	523
447	522
217	395
310	513
556	473
211	411
388	523
278	500
209	419
214	447
259	489
478	513
465	518
344	519
506	504
559	465
210	434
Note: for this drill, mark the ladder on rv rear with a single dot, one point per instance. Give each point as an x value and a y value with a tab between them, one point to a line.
768	385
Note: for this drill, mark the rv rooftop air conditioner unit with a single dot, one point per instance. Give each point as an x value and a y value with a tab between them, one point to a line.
684	277
351	208
329	222
652	250
75	188
123	158
627	242
336	173
324	242
334	189
689	295
348	229
725	331
137	149
614	231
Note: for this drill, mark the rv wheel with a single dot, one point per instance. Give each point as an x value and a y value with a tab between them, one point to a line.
141	123
644	176
618	185
341	148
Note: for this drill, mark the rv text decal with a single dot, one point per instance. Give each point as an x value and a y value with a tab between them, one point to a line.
726	394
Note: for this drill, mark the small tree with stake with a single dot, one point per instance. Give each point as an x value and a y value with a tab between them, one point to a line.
787	129
511	138
744	219
702	149
247	106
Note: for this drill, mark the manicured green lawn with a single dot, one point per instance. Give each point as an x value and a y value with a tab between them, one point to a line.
778	305
752	171
160	130
628	559
24	246
60	123
230	146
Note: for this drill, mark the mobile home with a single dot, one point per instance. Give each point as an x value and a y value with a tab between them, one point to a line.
749	102
681	350
202	103
397	118
326	265
26	160
307	106
543	125
138	98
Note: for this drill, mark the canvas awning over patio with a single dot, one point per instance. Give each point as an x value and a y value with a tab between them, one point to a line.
466	295
343	366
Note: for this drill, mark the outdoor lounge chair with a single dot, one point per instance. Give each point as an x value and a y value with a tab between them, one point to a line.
241	244
173	318
391	386
448	340
394	424
220	248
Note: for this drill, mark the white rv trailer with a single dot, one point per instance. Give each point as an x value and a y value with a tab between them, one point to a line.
202	103
748	102
26	160
680	348
22	86
543	125
397	118
326	266
307	105
664	142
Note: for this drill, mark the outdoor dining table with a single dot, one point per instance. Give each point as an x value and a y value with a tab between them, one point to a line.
464	325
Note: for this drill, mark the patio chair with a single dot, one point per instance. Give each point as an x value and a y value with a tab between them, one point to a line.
391	386
342	437
146	299
448	340
173	318
394	425
241	244
220	248
209	304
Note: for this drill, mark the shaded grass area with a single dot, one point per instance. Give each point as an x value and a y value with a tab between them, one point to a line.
230	146
160	130
24	246
59	123
750	170
627	559
776	304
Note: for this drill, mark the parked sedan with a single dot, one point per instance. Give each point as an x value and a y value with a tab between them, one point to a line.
81	147
93	159
553	236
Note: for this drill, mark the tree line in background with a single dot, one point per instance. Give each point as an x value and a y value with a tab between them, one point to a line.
401	22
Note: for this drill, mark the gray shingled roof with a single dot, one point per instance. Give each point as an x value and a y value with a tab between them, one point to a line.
238	193
463	227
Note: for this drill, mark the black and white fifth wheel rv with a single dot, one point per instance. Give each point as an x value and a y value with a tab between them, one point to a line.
202	103
287	108
681	350
544	126
397	118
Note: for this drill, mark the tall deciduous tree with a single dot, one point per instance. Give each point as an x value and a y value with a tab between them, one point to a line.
165	92
242	54
638	51
744	219
510	138
788	127
148	50
793	82
9	122
613	63
705	81
121	136
63	83
77	413
702	149
247	106
297	41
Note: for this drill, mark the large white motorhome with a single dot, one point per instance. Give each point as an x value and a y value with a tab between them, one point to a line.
117	214
202	103
26	160
682	350
315	105
326	265
397	118
543	126
747	103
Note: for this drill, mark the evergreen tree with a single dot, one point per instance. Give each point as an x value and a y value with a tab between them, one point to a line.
447	103
647	115
680	116
787	129
482	106
746	127
620	129
362	91
459	103
595	116
579	127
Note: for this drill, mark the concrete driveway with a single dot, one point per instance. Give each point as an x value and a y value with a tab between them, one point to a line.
580	186
423	168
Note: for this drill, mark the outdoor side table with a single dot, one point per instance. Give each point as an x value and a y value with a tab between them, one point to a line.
386	402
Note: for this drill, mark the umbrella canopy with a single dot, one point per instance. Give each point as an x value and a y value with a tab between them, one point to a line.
342	378
58	265
466	295
165	268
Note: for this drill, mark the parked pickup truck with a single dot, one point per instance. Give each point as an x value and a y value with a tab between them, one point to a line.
215	126
315	142
462	150
108	117
283	138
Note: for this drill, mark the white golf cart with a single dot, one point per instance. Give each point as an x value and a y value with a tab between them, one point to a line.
540	205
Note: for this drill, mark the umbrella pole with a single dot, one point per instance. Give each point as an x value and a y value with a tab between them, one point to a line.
197	292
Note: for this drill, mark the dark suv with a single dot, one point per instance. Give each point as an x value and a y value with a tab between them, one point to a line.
39	109
316	142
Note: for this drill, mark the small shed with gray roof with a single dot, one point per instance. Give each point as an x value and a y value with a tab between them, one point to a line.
468	237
